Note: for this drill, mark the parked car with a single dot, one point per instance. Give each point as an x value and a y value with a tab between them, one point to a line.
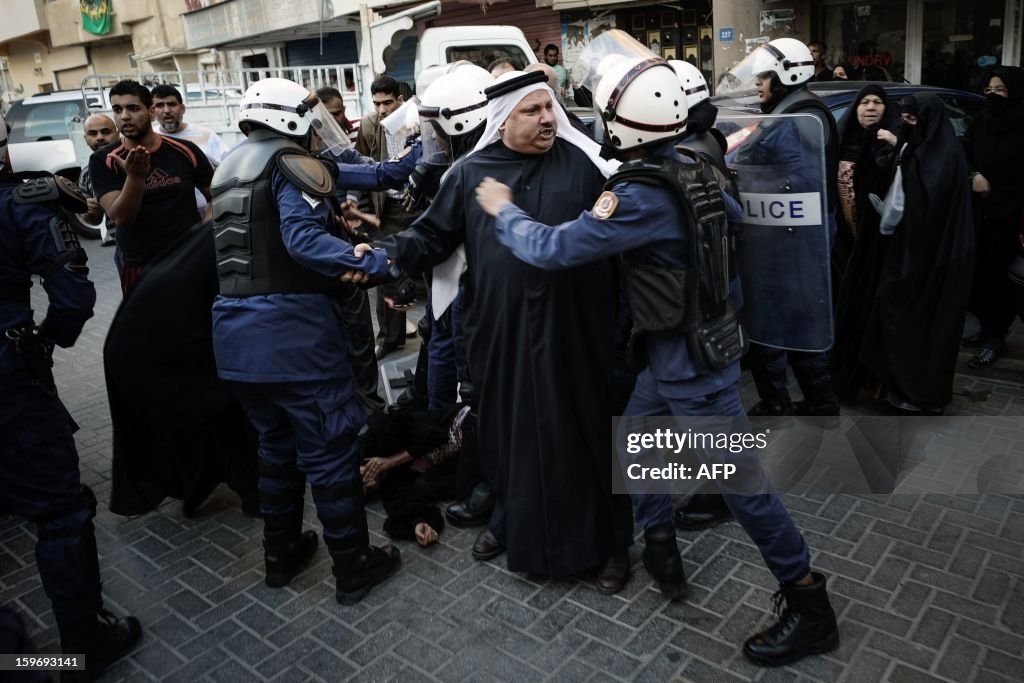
39	139
961	106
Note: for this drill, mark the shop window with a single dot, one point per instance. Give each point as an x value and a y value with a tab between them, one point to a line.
961	39
867	38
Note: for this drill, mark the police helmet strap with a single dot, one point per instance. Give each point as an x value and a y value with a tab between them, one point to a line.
778	54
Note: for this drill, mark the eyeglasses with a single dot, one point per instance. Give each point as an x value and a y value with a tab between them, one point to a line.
999	90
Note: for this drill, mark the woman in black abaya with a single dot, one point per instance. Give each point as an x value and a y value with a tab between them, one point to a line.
995	154
919	278
867	149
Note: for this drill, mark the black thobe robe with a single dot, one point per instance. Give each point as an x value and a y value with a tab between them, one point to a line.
540	347
912	334
178	430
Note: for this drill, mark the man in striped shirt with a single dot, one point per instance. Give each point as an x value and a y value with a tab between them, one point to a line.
146	182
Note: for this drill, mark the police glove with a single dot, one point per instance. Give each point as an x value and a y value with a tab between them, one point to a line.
423	184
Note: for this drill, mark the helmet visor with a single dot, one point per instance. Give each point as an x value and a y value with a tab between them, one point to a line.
603	51
404	121
331	139
742	78
436	143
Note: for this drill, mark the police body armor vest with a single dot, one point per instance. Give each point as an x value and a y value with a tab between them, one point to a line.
802	101
251	256
693	300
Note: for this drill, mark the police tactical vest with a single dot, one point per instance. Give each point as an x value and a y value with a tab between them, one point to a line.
693	300
251	256
803	101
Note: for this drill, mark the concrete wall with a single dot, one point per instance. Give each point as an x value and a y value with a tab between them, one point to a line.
753	21
64	18
21	18
27	75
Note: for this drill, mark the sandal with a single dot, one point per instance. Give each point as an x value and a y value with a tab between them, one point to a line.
985	356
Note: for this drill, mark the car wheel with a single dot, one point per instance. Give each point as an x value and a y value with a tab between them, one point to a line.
84	228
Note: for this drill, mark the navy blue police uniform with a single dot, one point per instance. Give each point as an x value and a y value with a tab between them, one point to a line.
39	476
280	337
646	222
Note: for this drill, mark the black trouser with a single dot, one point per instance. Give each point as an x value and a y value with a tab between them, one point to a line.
393	219
991	295
355	311
768	367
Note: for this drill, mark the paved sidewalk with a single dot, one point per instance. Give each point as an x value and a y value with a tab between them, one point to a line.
927	587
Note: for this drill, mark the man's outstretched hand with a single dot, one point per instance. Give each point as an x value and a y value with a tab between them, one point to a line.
493	196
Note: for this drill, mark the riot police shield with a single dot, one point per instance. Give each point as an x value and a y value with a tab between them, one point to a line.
783	243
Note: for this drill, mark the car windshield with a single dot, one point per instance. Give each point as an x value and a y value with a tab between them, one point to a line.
42	121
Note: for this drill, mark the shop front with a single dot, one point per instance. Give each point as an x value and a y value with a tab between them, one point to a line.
680	30
935	42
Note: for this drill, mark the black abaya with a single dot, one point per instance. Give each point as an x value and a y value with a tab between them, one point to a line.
540	349
178	430
913	331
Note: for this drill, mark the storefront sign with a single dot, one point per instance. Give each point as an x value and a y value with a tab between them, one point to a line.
725	35
576	35
882	59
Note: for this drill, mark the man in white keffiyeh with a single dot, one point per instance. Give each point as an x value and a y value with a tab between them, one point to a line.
540	345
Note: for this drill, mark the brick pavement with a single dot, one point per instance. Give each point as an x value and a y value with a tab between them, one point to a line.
927	587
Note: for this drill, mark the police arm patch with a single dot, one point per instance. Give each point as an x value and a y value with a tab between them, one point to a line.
312	201
605	205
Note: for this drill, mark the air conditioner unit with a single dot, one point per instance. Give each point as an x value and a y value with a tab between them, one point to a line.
133	62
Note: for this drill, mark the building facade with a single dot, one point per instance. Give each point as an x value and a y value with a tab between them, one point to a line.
44	46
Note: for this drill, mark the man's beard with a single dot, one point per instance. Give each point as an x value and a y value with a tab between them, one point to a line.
136	136
174	127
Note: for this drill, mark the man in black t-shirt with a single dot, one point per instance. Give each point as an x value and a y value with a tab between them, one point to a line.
146	182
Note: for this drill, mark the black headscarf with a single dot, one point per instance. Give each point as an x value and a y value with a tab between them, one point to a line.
852	135
871	175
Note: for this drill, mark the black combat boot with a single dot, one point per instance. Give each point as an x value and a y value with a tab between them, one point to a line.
807	626
357	571
663	562
287	549
703	511
102	638
776	406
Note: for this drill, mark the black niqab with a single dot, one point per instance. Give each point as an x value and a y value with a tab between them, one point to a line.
994	143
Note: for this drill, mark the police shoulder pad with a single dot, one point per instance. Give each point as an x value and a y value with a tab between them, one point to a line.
307	173
37	191
605	205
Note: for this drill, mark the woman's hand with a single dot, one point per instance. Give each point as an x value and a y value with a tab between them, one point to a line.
980	184
887	136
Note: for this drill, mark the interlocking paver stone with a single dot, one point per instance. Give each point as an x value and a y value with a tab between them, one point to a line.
929	587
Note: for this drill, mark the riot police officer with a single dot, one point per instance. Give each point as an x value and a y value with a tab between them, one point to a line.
782	68
280	338
667	214
39	477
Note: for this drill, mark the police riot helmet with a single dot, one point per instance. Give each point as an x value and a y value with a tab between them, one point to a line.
453	106
787	58
640	101
286	107
695	86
